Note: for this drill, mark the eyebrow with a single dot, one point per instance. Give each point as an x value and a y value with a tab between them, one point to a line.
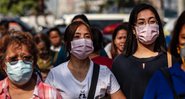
144	18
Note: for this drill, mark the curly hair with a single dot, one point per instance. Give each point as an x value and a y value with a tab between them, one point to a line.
17	38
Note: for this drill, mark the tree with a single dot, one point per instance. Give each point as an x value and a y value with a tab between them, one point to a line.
18	7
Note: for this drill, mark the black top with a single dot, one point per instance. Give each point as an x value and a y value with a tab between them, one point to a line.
134	73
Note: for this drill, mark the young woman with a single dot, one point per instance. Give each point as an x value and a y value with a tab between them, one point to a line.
73	78
118	40
162	87
144	52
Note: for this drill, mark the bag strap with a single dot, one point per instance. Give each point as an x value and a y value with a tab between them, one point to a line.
94	81
168	77
169	59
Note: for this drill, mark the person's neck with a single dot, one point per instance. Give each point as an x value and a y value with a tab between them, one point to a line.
30	85
79	64
57	46
94	54
119	51
145	51
79	68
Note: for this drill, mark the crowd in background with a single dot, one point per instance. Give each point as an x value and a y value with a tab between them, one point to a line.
136	64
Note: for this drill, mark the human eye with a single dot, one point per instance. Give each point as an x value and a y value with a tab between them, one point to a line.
76	36
28	59
88	36
12	60
152	21
139	23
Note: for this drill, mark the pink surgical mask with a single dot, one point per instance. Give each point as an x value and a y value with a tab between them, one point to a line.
147	34
81	48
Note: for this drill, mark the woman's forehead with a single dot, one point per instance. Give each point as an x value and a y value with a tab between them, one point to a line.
17	48
82	28
145	14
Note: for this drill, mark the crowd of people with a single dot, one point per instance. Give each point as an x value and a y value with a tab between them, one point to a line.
136	64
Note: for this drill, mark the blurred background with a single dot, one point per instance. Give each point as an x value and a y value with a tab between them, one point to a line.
40	15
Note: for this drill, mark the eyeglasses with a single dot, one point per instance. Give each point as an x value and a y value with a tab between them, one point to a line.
14	60
144	23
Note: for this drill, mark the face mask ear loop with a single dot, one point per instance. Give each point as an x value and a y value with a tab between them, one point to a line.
178	50
182	58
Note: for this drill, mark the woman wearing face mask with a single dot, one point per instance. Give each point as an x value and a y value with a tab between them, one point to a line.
144	52
169	83
19	58
74	77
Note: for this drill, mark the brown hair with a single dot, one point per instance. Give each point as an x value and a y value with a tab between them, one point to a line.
19	38
123	26
70	31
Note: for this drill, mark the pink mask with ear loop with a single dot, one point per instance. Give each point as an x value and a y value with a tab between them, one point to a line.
81	48
147	34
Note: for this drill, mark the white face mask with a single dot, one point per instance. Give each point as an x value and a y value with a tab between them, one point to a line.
147	34
19	72
81	48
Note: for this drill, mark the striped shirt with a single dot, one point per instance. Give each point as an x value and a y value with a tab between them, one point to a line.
41	90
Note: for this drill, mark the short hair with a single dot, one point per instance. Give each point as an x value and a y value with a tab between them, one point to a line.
42	38
131	41
175	35
19	38
53	29
70	31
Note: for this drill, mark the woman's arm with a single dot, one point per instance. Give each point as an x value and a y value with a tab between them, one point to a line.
118	95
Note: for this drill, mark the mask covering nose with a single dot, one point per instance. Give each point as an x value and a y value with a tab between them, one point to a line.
147	34
19	73
81	48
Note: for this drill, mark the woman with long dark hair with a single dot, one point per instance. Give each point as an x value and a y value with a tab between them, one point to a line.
144	51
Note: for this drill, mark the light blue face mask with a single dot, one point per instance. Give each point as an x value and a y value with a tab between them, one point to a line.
20	72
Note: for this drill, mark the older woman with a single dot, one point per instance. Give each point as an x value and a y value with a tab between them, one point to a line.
19	57
79	77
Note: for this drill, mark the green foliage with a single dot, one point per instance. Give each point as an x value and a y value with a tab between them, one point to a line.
21	7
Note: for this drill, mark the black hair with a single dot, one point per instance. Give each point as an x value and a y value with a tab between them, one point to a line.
70	32
97	38
131	42
175	35
53	29
123	26
83	17
41	37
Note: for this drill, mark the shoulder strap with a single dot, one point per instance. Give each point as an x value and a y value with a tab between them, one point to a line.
169	59
94	81
168	77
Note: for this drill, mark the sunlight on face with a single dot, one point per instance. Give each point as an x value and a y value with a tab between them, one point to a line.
145	17
55	38
182	36
120	40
